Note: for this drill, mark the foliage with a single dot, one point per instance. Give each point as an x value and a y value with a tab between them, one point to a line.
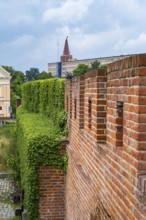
16	88
15	218
41	124
17	81
95	65
38	144
18	77
46	97
44	75
8	150
32	74
68	75
30	93
4	144
81	69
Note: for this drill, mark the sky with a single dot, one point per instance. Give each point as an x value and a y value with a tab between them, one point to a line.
33	32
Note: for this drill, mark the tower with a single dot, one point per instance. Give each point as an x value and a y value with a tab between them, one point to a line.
66	53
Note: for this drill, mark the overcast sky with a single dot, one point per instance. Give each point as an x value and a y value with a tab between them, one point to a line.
31	29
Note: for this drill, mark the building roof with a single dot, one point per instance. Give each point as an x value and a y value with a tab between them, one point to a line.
66	51
4	73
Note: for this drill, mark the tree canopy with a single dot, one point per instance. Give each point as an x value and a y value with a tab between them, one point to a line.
34	74
95	65
44	75
31	74
19	78
17	81
83	68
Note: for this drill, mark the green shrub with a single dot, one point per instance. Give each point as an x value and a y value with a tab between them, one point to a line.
45	97
41	123
8	150
27	96
38	144
35	90
81	69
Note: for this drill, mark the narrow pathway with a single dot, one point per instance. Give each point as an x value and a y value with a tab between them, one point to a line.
6	189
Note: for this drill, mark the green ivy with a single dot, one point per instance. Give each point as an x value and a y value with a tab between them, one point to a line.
46	97
26	95
38	144
41	123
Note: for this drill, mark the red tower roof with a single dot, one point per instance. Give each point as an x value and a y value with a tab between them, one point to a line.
66	53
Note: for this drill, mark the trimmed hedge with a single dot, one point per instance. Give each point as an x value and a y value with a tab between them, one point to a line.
38	144
40	125
46	97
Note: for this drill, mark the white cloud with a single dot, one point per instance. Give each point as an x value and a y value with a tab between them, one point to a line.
30	29
84	42
137	44
69	11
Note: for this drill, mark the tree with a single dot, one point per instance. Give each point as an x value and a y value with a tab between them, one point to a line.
32	74
16	88
17	81
95	65
81	69
45	75
15	74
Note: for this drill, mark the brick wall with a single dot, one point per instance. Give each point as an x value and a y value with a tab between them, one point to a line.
51	193
106	176
51	182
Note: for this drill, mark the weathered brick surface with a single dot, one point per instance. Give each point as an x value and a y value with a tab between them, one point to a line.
107	156
52	193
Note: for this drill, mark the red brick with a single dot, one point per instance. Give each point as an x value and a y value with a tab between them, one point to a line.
104	174
52	193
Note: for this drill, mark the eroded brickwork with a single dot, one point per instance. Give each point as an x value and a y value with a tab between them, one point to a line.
106	175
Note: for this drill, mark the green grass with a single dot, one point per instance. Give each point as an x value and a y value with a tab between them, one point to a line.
8	153
7	145
15	218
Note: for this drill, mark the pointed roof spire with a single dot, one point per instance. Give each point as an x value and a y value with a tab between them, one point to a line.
66	53
66	48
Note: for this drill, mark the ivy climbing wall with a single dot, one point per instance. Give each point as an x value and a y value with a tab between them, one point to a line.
41	124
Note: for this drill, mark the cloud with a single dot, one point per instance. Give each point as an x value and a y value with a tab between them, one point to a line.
30	29
135	45
69	11
87	44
